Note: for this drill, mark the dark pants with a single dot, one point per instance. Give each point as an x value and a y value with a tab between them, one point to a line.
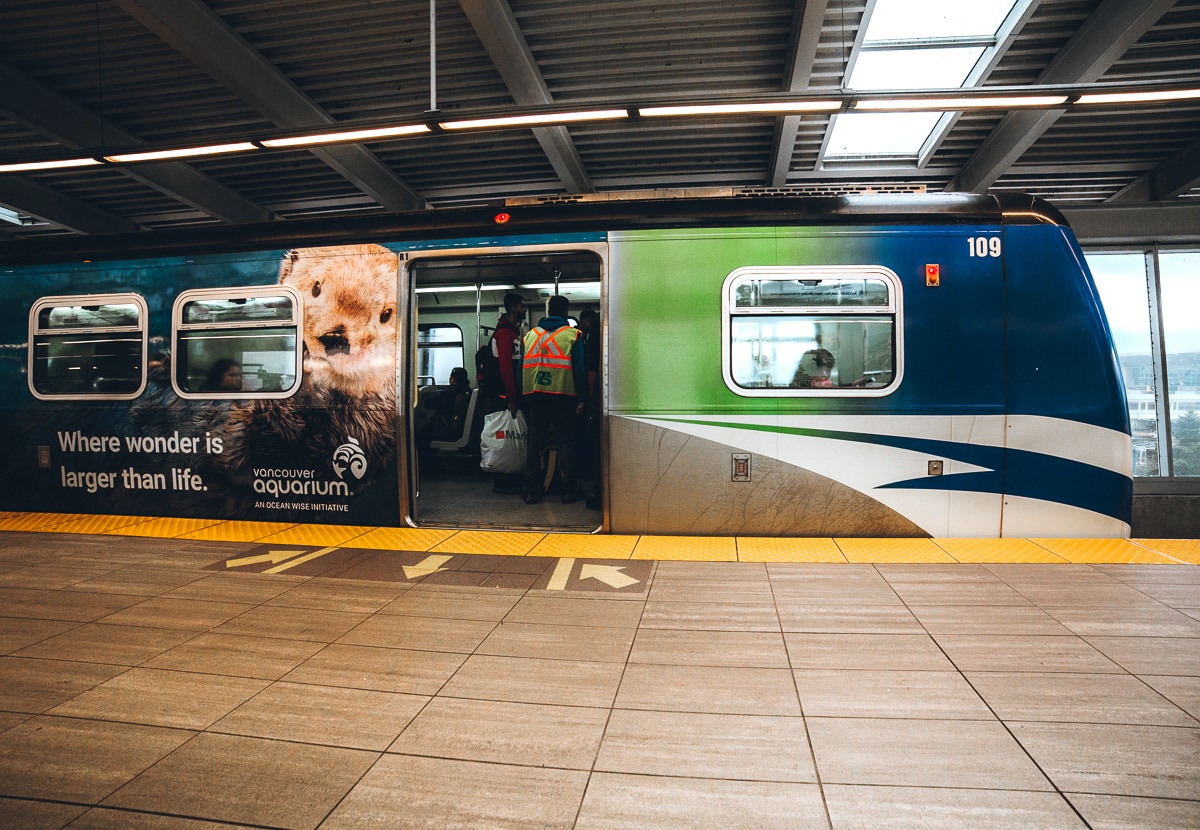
550	412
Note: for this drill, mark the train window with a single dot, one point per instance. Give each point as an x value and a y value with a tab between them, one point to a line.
439	349
88	346
811	331
237	342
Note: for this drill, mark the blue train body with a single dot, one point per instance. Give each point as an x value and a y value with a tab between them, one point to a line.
924	366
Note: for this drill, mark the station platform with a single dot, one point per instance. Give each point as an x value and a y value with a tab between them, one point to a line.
178	674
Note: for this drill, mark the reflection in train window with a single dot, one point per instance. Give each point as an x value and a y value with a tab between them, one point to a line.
811	331
89	346
439	349
237	342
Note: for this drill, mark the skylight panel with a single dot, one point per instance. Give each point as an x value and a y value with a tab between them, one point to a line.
890	134
913	68
923	19
913	45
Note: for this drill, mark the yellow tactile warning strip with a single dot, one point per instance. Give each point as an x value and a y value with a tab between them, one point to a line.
162	528
237	531
581	546
402	538
787	549
323	535
1185	550
1103	551
692	548
98	524
497	542
902	551
616	546
35	521
982	551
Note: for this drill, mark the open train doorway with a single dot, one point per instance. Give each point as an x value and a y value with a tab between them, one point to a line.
459	300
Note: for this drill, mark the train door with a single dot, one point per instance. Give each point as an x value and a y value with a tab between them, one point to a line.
458	298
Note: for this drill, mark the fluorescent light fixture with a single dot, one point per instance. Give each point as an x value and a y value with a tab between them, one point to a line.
461	289
562	286
535	120
1139	97
742	109
349	135
46	165
186	152
963	103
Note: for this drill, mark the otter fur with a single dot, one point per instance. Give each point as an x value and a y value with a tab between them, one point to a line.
347	395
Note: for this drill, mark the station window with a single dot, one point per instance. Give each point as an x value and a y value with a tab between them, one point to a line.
237	342
811	331
439	349
88	346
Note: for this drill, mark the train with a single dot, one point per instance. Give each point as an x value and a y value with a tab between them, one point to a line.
771	365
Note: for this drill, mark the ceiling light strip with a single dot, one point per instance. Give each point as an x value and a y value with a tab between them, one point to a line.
767	108
184	152
347	135
539	119
26	166
1146	97
961	103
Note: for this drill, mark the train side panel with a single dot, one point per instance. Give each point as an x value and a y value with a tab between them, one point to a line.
1070	458
322	450
927	456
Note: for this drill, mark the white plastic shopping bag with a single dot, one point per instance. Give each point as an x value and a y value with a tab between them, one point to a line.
503	442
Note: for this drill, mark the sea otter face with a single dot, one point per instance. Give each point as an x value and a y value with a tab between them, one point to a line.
349	296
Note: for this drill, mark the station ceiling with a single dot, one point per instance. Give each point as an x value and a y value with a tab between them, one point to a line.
97	77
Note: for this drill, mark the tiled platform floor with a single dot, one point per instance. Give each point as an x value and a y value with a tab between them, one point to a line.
145	685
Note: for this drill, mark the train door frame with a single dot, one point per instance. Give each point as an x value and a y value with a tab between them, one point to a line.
549	514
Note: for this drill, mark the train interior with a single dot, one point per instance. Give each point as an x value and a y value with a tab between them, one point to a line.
459	298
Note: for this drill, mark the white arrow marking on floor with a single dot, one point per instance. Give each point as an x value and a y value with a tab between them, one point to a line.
611	575
562	572
273	556
298	561
429	565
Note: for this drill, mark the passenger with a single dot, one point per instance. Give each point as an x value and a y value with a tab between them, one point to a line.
225	375
554	382
814	369
504	389
447	408
589	322
500	378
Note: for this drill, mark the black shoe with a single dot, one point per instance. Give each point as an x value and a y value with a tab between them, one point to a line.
572	493
594	503
530	496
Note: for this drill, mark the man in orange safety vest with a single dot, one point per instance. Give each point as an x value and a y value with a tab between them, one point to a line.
554	383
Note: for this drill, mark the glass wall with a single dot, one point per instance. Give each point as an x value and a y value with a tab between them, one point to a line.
1150	297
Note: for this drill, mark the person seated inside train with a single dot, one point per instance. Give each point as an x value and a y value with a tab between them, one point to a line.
815	369
225	375
447	411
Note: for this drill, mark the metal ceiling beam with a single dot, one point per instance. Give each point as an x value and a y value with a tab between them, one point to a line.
199	33
46	112
1135	224
497	28
1100	42
807	18
25	196
1173	177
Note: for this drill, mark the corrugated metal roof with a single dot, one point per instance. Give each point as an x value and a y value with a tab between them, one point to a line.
106	74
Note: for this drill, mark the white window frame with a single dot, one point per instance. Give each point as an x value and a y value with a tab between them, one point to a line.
730	310
35	330
179	328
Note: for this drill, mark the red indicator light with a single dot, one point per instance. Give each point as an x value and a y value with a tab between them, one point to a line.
501	218
933	275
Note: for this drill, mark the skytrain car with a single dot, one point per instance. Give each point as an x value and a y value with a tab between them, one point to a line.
771	366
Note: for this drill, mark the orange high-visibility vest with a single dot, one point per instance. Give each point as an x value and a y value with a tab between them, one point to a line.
547	364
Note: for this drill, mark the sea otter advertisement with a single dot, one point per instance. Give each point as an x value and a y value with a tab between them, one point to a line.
269	392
